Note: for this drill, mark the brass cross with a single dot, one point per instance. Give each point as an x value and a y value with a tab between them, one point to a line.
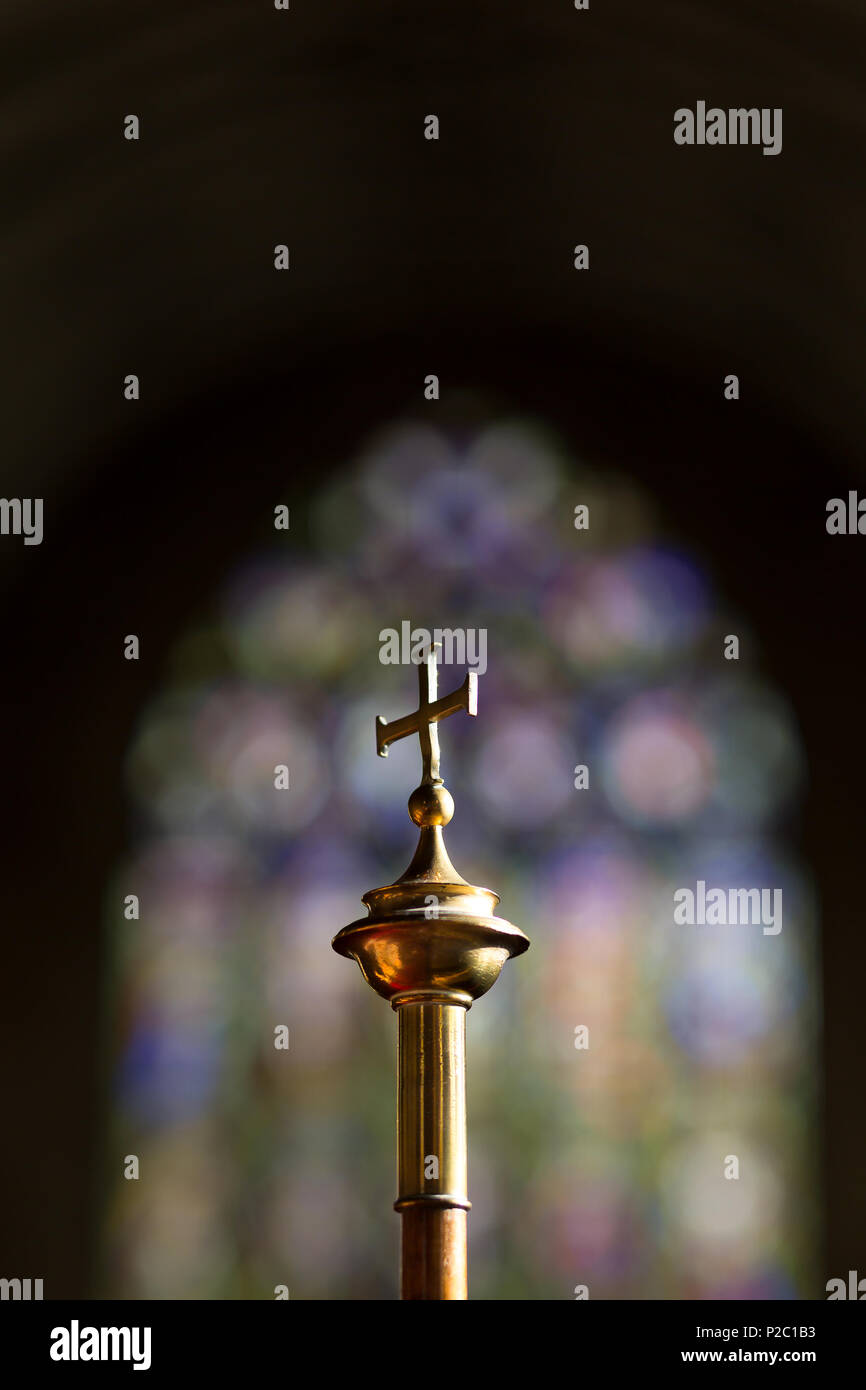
424	719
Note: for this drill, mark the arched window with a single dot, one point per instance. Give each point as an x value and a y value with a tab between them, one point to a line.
641	1089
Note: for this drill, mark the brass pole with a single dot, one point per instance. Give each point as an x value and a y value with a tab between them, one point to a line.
431	945
431	1147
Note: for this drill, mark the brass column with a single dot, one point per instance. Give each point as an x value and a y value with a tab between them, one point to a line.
431	945
431	1146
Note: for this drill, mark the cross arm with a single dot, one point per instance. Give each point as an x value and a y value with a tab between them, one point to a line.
465	697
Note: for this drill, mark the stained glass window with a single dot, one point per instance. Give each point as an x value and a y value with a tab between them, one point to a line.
620	1064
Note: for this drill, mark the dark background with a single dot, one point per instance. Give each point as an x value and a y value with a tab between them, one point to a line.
408	257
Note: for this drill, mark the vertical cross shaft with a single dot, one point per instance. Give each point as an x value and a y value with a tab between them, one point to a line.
424	721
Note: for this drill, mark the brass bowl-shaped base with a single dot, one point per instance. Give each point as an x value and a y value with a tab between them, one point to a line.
457	957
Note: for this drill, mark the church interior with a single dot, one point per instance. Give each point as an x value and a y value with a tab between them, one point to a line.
556	388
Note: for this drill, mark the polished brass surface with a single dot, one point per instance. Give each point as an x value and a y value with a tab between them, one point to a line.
431	944
462	957
433	1253
425	718
431	1104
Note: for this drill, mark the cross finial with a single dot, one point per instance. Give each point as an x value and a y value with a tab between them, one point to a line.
424	719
